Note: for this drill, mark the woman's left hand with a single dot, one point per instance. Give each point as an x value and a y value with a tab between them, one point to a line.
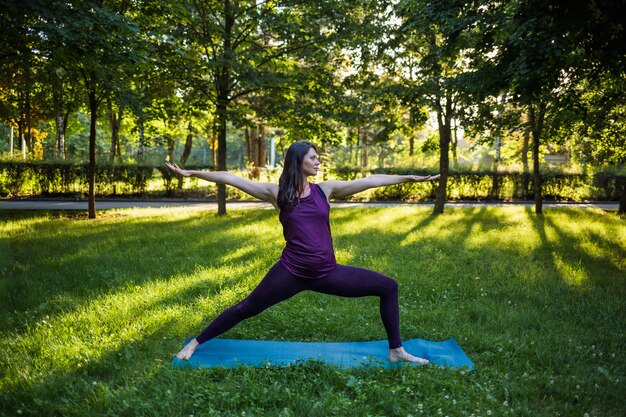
417	178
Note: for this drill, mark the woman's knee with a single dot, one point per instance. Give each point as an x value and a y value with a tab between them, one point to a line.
386	287
391	286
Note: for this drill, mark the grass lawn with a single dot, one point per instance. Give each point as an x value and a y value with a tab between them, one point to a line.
92	312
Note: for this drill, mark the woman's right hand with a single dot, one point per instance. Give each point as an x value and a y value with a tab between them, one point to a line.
177	170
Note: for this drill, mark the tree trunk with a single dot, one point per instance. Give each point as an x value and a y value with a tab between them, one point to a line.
223	80
221	155
262	148
211	134
188	144
253	160
412	124
118	147
11	142
526	168
525	141
58	118
28	112
364	153
23	145
62	129
186	152
622	202
536	123
246	135
495	178
115	121
20	136
62	148
93	108
142	135
445	134
537	177
498	158
257	151
171	148
454	141
20	130
355	155
61	117
324	149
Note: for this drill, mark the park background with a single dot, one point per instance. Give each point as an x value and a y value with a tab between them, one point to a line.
509	100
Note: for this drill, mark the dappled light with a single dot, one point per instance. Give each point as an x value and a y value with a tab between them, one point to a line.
572	273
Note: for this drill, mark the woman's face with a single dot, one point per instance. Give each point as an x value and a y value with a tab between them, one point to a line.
310	163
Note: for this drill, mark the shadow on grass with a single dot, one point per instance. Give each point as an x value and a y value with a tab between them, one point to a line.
69	263
593	252
592	245
113	379
579	299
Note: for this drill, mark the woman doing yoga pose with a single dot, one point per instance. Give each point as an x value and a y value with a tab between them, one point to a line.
308	259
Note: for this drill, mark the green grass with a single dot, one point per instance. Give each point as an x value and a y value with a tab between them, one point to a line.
91	313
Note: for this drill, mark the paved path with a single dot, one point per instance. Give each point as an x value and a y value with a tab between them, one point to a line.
52	204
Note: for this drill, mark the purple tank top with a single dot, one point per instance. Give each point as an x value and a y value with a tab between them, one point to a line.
309	250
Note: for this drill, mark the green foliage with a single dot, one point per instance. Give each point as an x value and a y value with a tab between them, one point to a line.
90	321
599	132
542	76
41	178
316	70
486	185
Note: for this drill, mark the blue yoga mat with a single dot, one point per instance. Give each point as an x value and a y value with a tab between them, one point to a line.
229	353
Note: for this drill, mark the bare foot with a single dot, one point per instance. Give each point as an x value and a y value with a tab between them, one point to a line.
186	352
401	355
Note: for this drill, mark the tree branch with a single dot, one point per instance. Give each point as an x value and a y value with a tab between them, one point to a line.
203	6
241	37
244	92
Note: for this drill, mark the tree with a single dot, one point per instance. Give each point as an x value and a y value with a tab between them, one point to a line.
539	52
599	132
65	100
99	43
604	124
436	33
22	67
219	37
235	49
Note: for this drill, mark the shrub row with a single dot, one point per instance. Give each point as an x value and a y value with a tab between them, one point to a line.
42	179
467	185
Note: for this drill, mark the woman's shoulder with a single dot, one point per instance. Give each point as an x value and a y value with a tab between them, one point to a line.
325	188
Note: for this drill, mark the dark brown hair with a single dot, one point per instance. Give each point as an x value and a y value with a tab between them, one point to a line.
292	179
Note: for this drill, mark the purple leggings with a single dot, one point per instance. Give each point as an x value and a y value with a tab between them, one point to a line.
345	281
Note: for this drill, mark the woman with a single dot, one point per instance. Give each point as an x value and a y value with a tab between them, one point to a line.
308	259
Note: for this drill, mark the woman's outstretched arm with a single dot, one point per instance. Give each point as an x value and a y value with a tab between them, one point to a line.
341	189
262	190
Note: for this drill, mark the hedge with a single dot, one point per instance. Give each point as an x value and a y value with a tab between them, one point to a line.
45	179
65	179
488	185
